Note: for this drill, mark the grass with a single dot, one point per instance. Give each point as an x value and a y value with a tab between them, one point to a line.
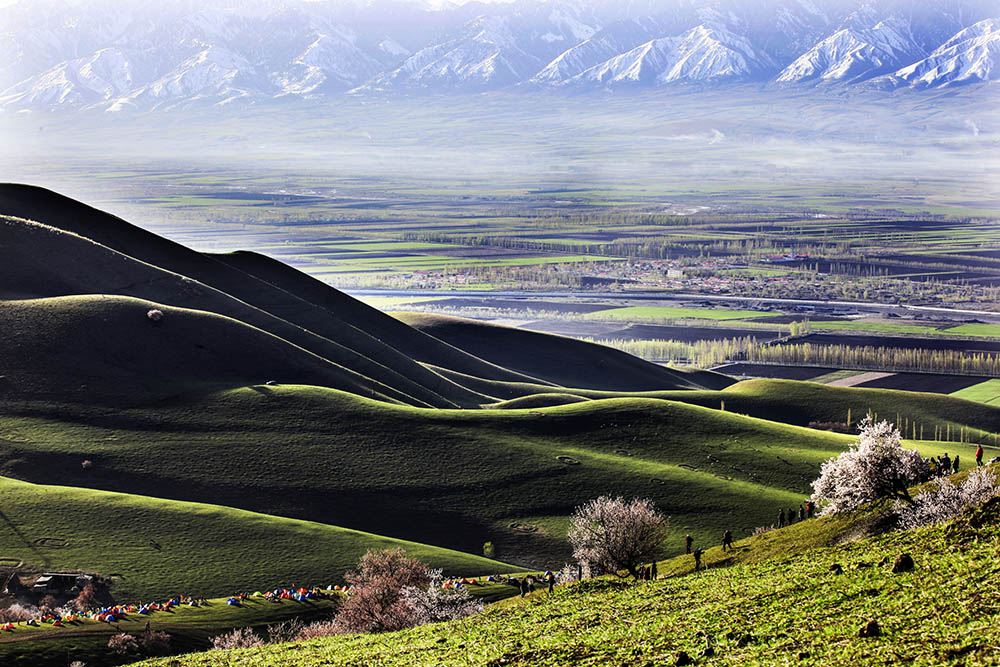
984	392
449	478
454	478
789	608
641	313
157	548
985	330
881	327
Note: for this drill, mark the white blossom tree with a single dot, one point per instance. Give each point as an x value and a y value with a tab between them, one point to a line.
614	534
875	467
948	500
433	603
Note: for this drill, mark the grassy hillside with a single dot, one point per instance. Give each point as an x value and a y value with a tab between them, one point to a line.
158	548
791	609
454	478
105	349
40	261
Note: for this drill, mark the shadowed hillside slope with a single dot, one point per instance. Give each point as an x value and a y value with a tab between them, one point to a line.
560	360
40	261
105	349
411	342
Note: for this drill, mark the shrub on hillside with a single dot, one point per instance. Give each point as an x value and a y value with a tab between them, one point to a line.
87	599
948	500
612	534
875	467
433	603
376	602
239	638
17	613
48	604
123	644
286	631
155	643
318	629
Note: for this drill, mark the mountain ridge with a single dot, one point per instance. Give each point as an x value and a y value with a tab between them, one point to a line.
92	54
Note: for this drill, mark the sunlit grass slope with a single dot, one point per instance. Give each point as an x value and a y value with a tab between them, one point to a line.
454	478
158	548
790	609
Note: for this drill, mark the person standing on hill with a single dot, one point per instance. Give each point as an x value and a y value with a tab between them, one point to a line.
979	456
550	579
945	462
697	558
791	515
687	543
802	513
727	541
954	464
810	508
523	584
653	570
781	517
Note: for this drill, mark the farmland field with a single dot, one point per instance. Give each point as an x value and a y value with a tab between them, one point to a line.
984	392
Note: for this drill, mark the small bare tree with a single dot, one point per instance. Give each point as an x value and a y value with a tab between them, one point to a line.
876	466
87	599
615	534
376	601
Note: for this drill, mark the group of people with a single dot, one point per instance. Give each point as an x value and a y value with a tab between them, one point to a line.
943	465
526	584
806	511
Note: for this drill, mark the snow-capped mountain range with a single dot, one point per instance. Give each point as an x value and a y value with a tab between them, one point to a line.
118	55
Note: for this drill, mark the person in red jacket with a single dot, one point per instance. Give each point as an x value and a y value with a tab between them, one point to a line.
979	456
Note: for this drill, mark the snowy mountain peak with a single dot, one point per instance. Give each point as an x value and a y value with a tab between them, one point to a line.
855	53
968	57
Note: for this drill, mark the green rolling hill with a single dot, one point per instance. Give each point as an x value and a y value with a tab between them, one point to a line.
155	548
263	390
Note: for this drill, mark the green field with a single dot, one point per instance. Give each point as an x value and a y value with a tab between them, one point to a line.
988	330
984	392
